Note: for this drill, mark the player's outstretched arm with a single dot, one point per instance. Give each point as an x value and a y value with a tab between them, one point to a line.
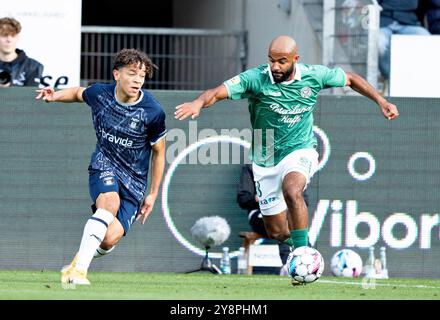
359	84
157	167
49	94
205	100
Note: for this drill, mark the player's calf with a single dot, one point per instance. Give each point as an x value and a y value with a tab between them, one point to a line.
100	252
94	232
281	236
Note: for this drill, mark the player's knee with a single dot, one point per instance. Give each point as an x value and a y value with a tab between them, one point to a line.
294	196
109	201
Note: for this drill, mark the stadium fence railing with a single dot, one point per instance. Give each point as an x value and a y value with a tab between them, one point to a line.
188	59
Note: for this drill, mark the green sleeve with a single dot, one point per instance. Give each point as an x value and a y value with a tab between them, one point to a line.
243	85
331	77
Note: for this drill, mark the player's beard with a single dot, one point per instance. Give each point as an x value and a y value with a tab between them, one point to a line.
285	74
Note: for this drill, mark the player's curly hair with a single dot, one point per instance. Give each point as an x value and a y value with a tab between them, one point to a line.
9	26
127	57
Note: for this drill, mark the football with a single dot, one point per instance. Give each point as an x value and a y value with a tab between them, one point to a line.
346	263
305	265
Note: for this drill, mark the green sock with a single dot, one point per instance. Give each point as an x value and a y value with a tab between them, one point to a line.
299	237
289	241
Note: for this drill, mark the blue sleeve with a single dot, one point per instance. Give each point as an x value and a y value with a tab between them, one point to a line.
90	94
157	129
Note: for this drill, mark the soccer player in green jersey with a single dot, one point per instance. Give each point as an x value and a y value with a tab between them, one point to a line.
282	96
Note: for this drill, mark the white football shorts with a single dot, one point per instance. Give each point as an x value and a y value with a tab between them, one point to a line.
269	180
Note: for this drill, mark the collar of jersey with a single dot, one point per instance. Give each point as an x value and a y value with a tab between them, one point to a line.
129	104
297	75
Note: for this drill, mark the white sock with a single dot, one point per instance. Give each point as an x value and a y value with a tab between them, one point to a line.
99	252
94	232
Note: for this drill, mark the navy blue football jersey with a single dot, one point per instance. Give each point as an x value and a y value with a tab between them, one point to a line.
125	134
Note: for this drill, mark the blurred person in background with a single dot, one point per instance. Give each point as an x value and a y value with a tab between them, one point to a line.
431	10
397	17
16	68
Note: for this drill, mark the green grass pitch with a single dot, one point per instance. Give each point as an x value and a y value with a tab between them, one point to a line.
45	285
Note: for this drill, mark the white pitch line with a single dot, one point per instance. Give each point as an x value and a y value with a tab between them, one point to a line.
376	283
420	286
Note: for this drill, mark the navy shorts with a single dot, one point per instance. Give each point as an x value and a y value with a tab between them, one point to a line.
107	181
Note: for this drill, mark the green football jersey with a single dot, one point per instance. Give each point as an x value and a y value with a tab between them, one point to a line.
282	113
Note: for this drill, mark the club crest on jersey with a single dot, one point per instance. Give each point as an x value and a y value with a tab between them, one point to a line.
134	123
306	92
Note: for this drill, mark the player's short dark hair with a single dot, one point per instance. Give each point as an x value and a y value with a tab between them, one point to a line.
9	26
127	57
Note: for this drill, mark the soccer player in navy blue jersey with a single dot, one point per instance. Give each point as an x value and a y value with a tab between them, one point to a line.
130	128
